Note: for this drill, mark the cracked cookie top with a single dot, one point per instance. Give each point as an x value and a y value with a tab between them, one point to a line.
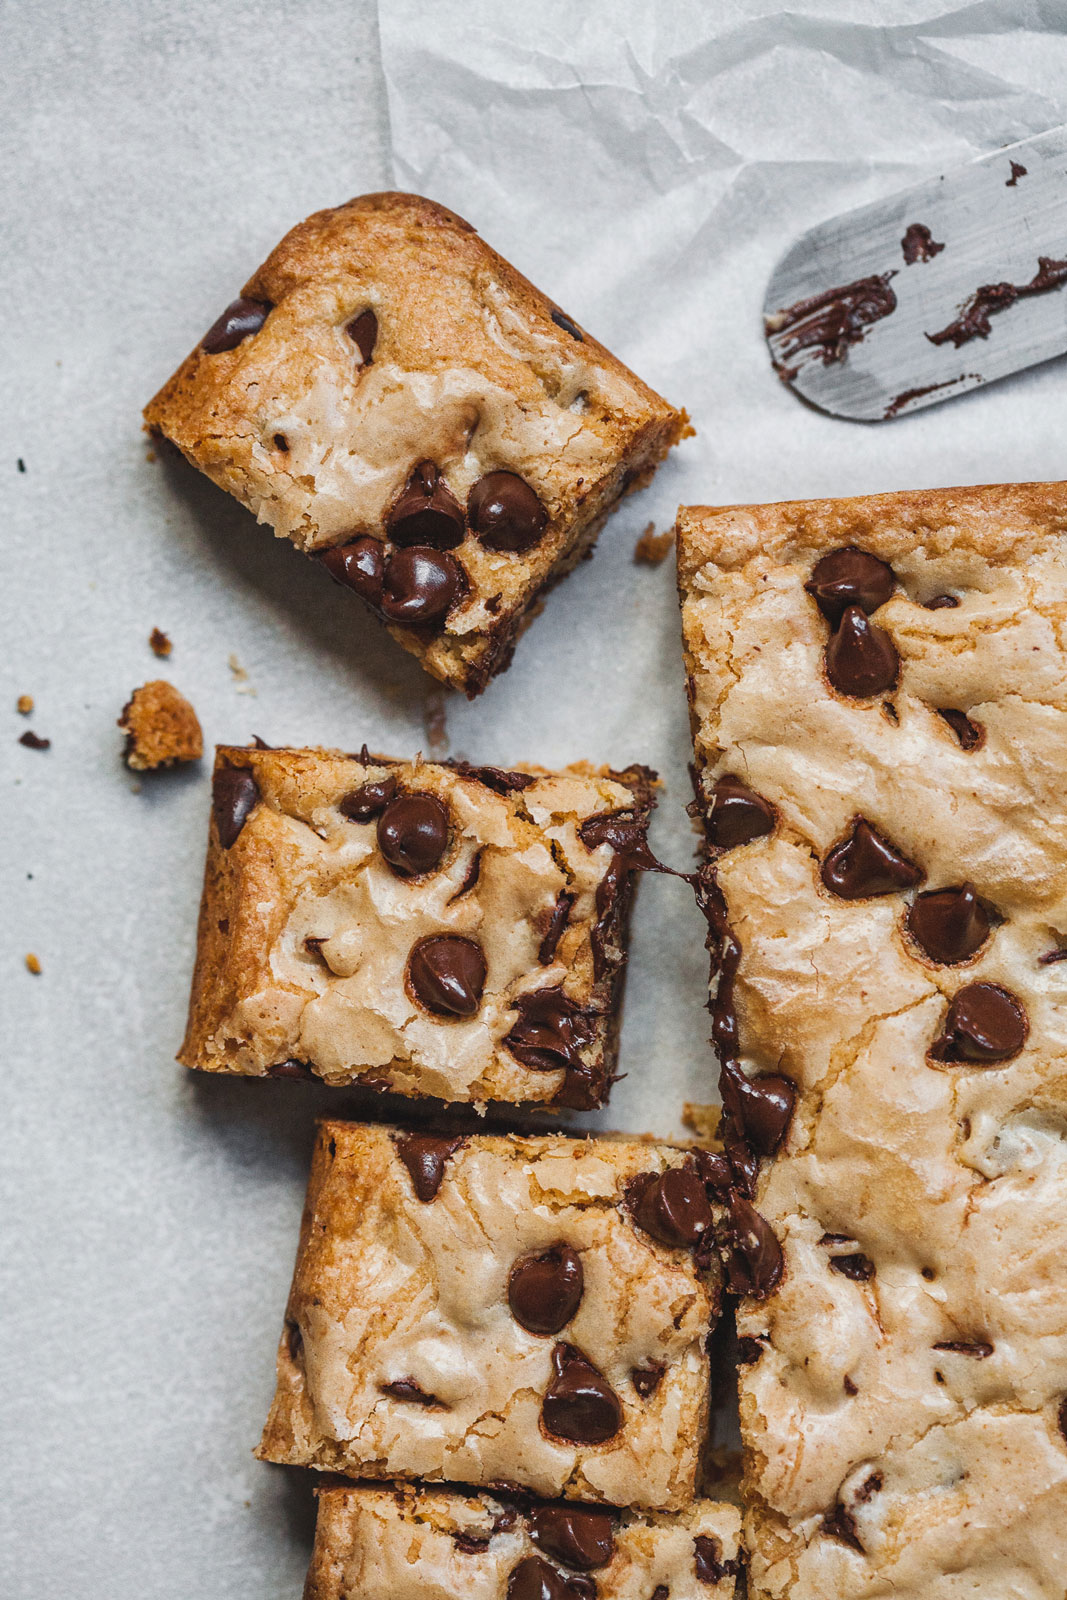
492	1310
407	1543
449	931
878	691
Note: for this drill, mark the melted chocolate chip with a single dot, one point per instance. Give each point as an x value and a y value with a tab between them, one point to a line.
551	1031
413	834
424	1155
470	877
495	778
755	1263
1061	1417
234	796
950	925
471	1544
991	298
985	1023
579	1404
978	1350
625	833
865	864
647	1379
359	566
737	815
505	513
536	1579
446	973
368	801
841	1524
825	326
919	244
861	659
858	1267
710	1566
941	602
291	1069
427	512
749	1350
545	1291
408	1389
850	577
294	1340
575	1535
420	585
363	332
971	735
671	1206
238	322
563	321
557	922
762	1106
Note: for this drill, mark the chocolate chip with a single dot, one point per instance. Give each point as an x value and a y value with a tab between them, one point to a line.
941	602
710	1566
849	1387
950	925
564	322
971	735
427	512
408	1389
841	1524
447	974
557	922
240	319
358	565
737	815
281	442
576	1536
762	1106
234	795
413	834
985	1023
1061	1417
363	332
865	864
672	1206
755	1262
505	514
858	1267
626	834
496	778
420	585
850	577
33	741
749	1350
470	877
545	1291
368	801
471	1544
647	1379
294	1340
1052	958
291	1069
979	1350
861	659
579	1404
424	1155
551	1031
536	1579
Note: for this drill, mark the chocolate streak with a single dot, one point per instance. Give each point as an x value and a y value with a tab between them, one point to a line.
919	244
827	325
991	298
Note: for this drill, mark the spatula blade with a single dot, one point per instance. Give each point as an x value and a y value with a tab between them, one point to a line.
920	297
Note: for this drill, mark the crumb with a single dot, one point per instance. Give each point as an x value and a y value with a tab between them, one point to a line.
150	455
32	741
161	728
702	1120
161	645
24	704
653	547
240	676
433	721
22	465
33	964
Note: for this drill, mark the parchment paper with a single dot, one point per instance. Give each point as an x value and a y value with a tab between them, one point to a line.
645	164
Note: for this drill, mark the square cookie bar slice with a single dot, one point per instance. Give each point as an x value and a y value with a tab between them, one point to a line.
879	699
393	397
499	1310
407	1543
448	931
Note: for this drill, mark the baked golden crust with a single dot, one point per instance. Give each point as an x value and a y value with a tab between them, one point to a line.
409	1543
469	370
394	1293
901	1409
306	930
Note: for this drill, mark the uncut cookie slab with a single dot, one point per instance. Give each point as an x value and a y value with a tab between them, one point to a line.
411	1543
393	397
495	1310
444	931
878	692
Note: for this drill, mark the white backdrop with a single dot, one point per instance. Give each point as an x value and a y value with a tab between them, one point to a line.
645	164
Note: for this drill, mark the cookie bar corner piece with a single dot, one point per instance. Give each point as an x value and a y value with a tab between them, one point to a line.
393	397
500	1309
411	1543
442	931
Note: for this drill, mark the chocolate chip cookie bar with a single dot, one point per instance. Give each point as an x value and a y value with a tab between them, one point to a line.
502	1310
879	702
438	930
410	1543
397	400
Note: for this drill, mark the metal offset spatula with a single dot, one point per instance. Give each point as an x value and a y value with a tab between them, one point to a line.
915	299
